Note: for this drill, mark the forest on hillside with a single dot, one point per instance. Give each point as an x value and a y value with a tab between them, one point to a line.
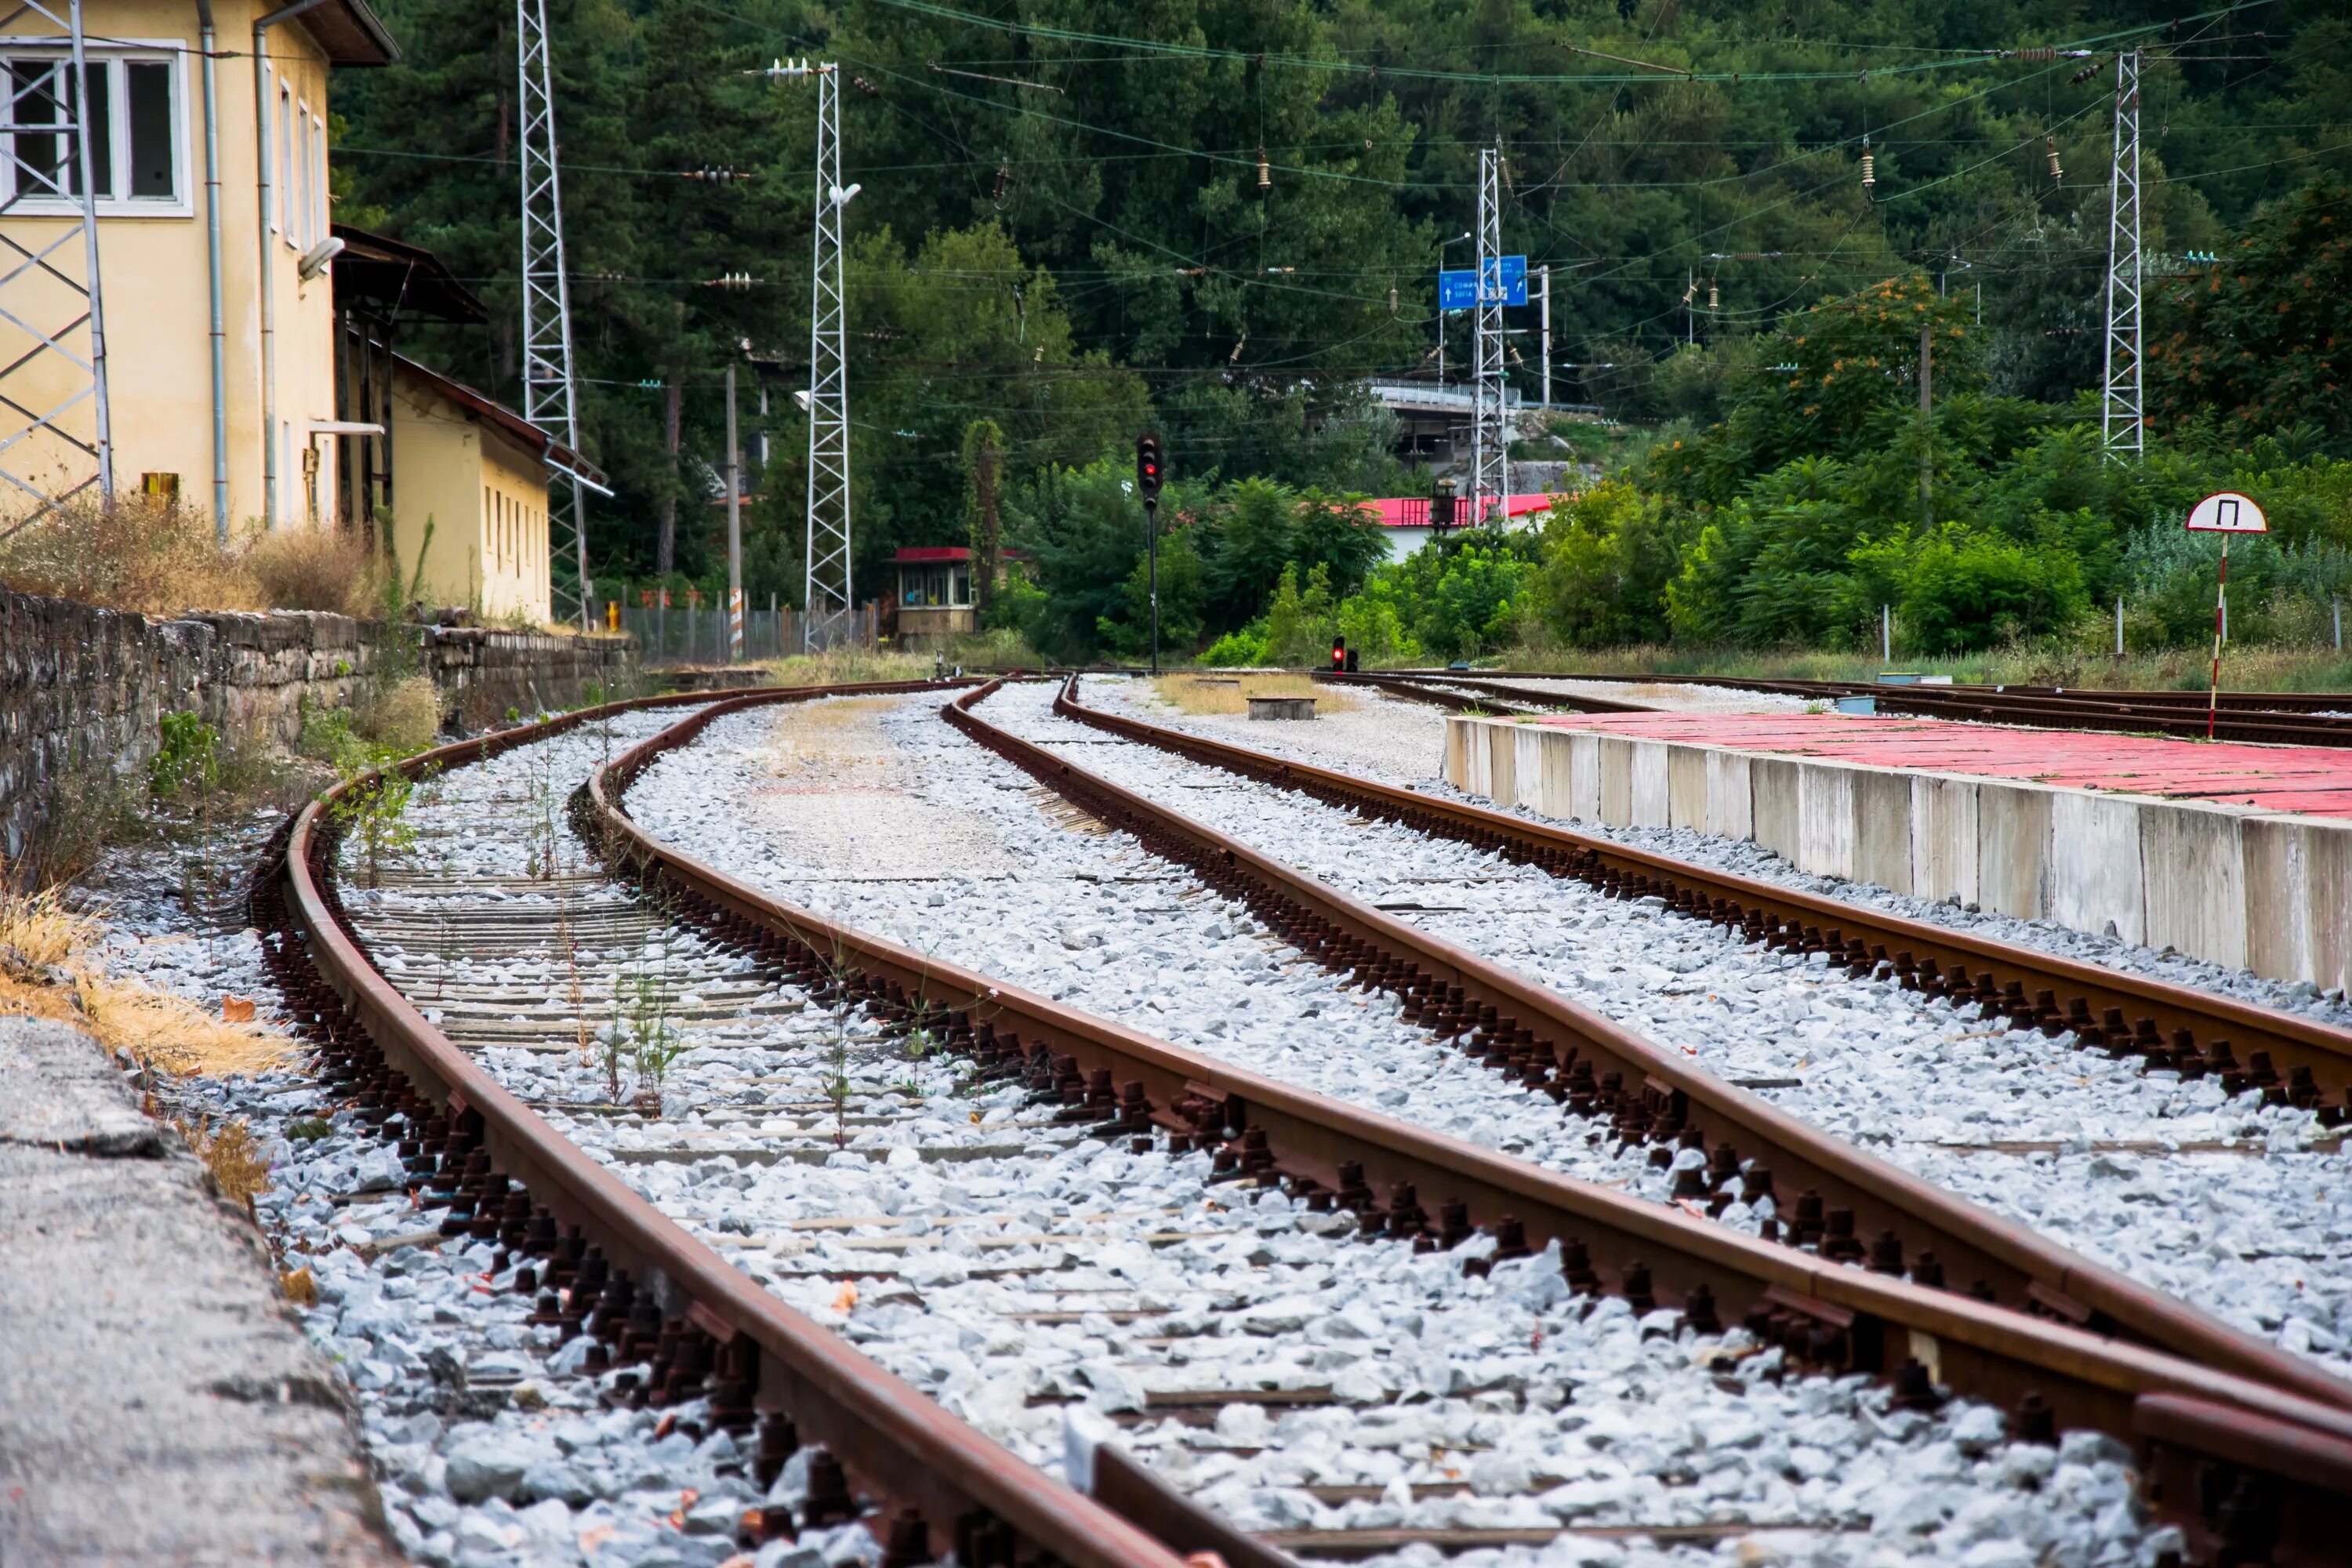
1219	219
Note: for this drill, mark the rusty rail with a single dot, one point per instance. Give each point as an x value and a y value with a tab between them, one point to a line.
941	1484
2292	1059
1831	1317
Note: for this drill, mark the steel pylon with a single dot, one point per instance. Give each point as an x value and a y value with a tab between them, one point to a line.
548	384
826	588
2120	403
1490	444
53	346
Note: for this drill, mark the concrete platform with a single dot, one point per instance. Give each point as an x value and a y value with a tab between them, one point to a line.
156	1405
2239	854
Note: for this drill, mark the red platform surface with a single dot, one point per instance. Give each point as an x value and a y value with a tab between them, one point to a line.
2313	779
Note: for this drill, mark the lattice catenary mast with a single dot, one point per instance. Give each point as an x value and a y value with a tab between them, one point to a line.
825	587
54	358
547	399
1489	433
2120	401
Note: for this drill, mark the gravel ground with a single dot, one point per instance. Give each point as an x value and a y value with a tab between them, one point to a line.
2254	1234
1403	744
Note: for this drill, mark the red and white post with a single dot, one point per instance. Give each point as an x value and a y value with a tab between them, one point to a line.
2224	512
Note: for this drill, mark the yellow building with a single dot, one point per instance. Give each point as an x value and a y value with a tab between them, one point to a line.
478	472
235	419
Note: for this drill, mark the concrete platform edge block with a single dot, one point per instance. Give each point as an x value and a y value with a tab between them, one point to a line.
1502	759
2194	860
1616	781
1453	766
1648	779
1730	804
2299	899
1882	828
1944	836
1686	791
1825	819
1557	792
2012	847
2094	863
1584	775
1527	764
1773	782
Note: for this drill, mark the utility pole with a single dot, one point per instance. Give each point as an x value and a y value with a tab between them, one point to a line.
826	587
548	398
49	371
1489	437
1926	421
734	531
1545	274
2120	405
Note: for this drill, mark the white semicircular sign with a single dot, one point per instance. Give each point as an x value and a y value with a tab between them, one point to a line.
2227	511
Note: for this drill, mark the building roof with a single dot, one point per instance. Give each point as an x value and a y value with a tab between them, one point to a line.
1413	511
349	31
542	446
392	279
915	554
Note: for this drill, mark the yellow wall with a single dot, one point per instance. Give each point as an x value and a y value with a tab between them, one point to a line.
487	499
153	271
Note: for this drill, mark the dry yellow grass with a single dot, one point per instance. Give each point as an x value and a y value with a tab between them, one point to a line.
160	559
1206	694
239	1166
50	968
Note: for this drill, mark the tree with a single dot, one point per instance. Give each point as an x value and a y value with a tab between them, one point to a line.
2261	337
984	467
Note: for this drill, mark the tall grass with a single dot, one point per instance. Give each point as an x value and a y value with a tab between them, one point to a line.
160	558
2244	668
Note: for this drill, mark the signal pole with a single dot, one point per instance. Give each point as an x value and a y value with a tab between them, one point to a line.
1147	484
1546	275
547	374
1489	437
734	531
2120	403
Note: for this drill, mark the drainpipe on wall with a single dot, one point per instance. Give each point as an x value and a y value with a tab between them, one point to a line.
212	263
266	159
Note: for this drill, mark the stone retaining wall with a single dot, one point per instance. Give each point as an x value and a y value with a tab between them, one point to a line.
2267	891
82	688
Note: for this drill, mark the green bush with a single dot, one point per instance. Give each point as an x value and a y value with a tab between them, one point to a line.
1245	647
1968	590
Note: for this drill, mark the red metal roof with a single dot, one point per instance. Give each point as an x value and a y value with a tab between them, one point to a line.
2313	780
914	553
1413	511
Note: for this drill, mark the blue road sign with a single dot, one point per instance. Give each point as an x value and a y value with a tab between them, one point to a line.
1507	284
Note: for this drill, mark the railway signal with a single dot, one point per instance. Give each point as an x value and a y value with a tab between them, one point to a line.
1146	484
1339	656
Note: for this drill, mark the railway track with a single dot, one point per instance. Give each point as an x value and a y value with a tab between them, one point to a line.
2169	1028
1302	1156
2224	1442
2296	719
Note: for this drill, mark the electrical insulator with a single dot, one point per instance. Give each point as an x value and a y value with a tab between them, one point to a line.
1690	293
2085	74
1393	299
1003	178
2057	175
1713	296
868	88
1265	173
1869	165
1239	343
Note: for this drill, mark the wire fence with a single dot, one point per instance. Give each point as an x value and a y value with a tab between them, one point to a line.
679	634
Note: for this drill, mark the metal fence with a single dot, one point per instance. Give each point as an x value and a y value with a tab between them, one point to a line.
677	635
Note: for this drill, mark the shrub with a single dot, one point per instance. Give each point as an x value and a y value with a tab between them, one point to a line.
138	555
1245	647
1966	590
313	569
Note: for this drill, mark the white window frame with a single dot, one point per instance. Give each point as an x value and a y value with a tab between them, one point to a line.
281	137
319	219
170	53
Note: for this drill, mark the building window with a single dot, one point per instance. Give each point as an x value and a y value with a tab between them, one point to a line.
136	149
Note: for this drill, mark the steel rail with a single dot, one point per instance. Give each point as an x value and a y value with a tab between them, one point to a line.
1833	1317
943	1483
2018	1265
2172	1025
2262	719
